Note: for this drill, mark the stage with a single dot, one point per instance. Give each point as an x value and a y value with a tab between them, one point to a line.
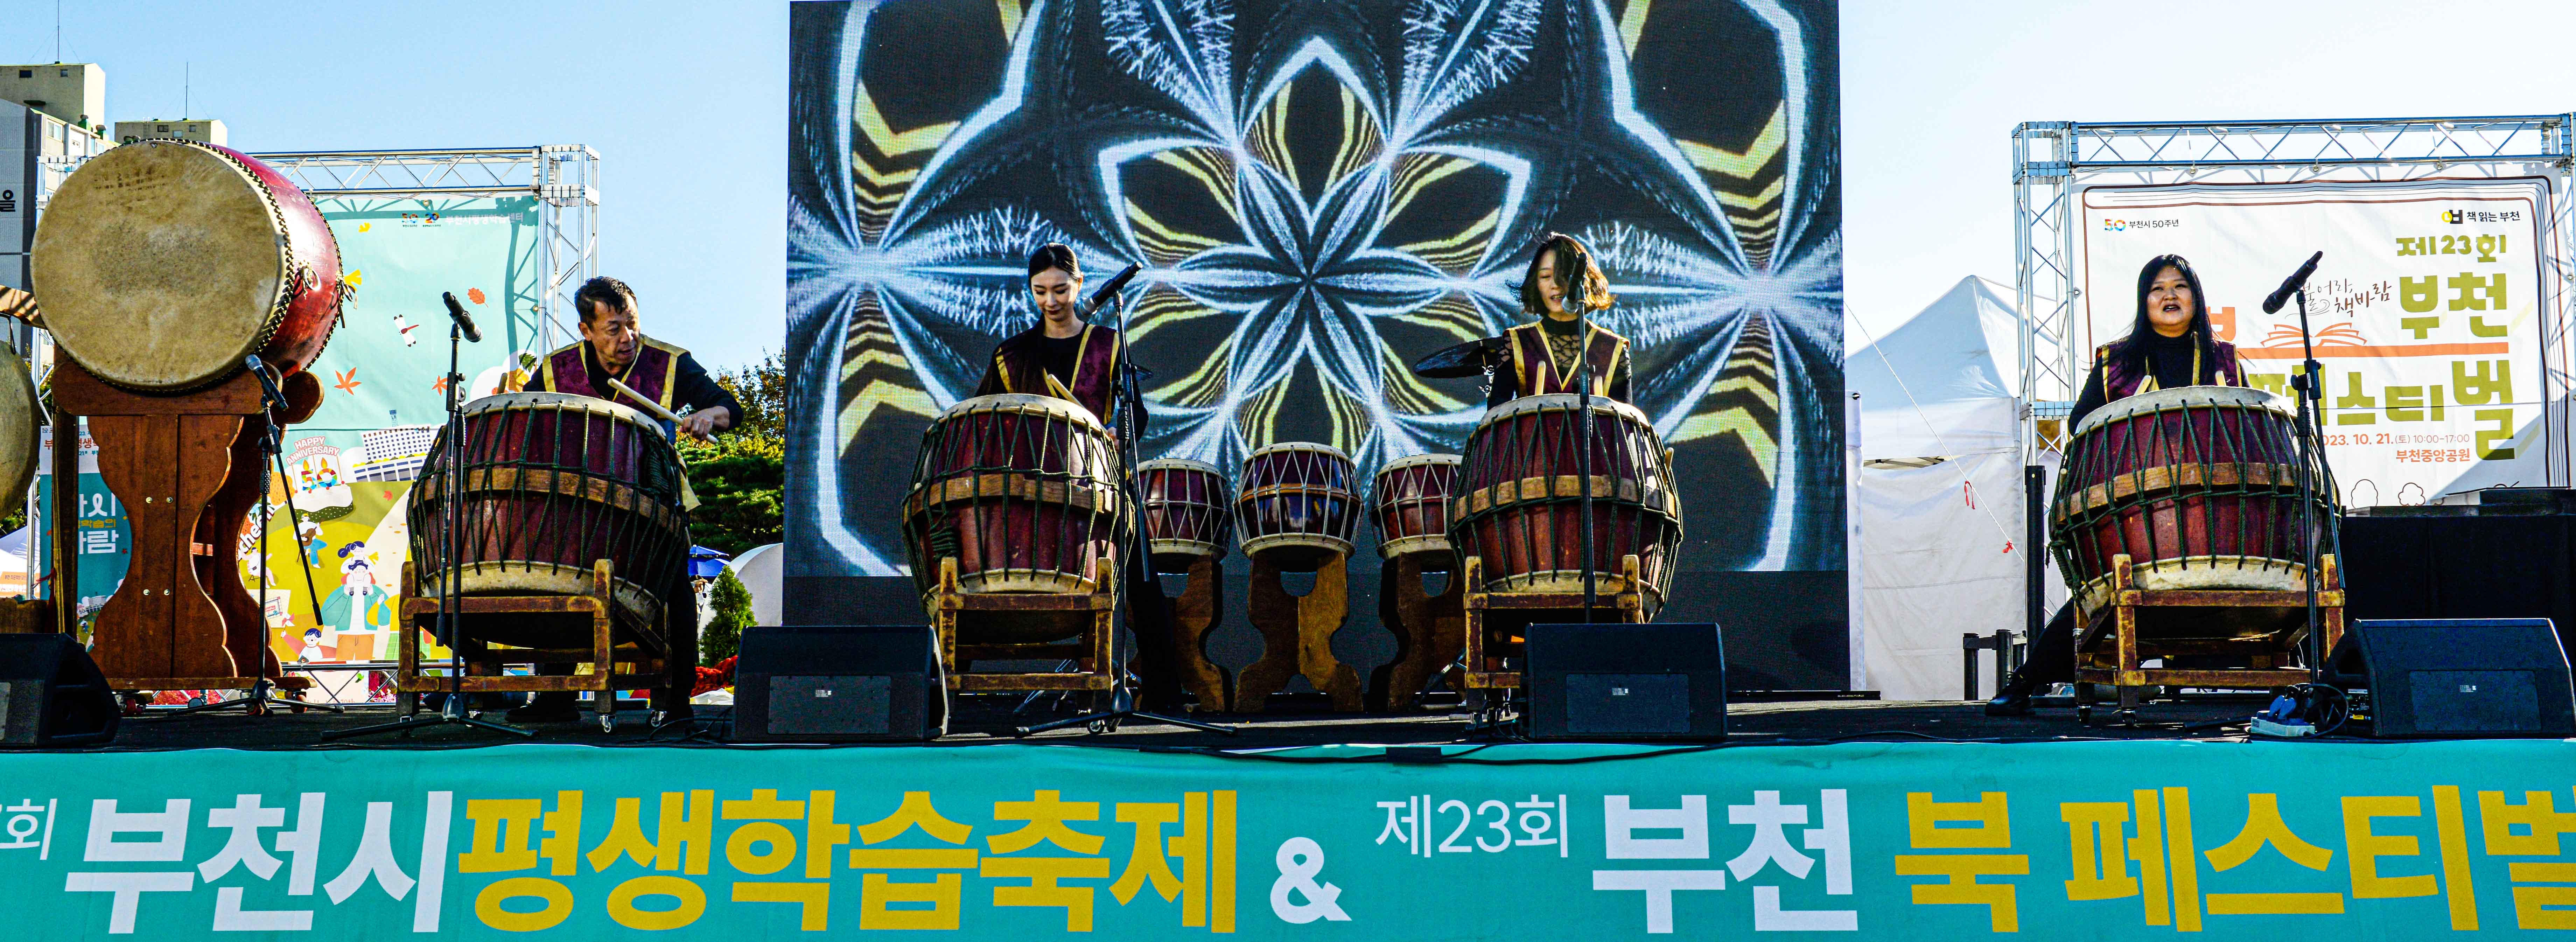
1886	820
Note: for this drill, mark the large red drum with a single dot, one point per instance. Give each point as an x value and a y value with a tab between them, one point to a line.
552	483
1410	503
161	264
1021	490
1185	504
1297	510
1520	487
2198	486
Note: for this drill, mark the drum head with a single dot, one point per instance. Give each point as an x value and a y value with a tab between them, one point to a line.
161	265
2240	397
504	402
18	424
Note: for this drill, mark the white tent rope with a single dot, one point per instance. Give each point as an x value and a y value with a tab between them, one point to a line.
1966	486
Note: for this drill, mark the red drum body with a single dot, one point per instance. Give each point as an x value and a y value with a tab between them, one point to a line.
162	264
1185	511
2198	486
1410	502
1518	502
1297	509
553	482
1020	490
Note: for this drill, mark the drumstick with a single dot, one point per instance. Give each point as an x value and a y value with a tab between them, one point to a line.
688	495
649	405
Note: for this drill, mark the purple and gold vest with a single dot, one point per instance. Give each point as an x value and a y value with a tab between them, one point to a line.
654	374
1020	364
1534	366
2120	381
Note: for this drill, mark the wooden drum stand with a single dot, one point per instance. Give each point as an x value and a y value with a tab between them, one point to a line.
977	626
1194	618
1495	620
1297	634
188	468
590	615
2137	625
1429	629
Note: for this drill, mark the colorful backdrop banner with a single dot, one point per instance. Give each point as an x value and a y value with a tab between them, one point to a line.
349	469
2429	312
2109	840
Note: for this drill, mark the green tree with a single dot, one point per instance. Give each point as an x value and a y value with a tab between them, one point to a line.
741	479
732	603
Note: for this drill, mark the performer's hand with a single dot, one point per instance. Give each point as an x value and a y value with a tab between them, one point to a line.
702	425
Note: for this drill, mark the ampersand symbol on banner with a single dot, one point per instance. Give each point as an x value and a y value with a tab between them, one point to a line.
1299	860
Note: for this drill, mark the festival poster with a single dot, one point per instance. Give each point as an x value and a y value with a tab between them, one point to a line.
2428	314
103	537
336	540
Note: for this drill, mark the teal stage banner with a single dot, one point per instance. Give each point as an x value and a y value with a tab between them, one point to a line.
2110	840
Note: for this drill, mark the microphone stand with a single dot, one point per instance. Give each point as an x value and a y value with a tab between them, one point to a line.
2313	468
1577	298
1134	570
452	520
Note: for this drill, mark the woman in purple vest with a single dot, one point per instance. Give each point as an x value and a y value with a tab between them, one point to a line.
1562	287
1062	356
2170	344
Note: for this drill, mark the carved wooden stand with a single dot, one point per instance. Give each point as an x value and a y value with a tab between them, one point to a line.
1430	630
1194	617
188	468
2265	627
1495	620
1297	636
977	626
492	627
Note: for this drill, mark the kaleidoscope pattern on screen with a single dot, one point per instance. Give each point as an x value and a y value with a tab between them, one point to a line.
1320	193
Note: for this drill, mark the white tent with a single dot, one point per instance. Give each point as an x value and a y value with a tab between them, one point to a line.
1940	489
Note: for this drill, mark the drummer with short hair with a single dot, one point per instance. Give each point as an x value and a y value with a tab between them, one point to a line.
1548	353
613	346
2170	344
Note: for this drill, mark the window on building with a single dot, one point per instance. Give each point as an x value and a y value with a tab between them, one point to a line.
26	73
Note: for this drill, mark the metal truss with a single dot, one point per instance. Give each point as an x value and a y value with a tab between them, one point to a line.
563	177
2053	161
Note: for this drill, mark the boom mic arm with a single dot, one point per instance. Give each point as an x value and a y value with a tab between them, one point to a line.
1109	290
2290	288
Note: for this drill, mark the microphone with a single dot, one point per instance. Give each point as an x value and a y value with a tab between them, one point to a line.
464	323
266	384
1109	290
2291	287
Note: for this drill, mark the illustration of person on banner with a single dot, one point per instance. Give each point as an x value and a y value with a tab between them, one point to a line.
2170	344
1546	353
614	347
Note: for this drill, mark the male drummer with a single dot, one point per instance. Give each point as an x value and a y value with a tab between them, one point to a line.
1546	354
612	346
1061	356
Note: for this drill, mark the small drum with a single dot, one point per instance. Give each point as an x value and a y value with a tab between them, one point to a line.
1185	511
1297	509
164	263
1518	504
1411	505
2198	485
1021	490
554	481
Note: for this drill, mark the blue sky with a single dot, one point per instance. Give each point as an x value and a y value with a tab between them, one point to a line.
686	101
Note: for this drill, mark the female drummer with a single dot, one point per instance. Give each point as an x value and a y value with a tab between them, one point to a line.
2169	344
1061	356
1562	286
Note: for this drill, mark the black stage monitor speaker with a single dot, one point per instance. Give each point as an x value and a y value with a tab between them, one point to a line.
1619	682
51	693
2460	677
840	683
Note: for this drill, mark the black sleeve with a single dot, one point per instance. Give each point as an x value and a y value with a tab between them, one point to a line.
1502	385
991	384
1619	376
697	390
2089	399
